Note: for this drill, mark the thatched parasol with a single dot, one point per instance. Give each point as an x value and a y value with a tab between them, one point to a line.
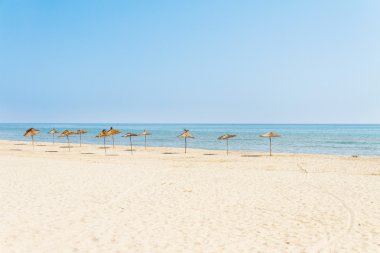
130	139
80	132
226	137
31	132
53	132
104	134
145	133
270	135
66	134
186	134
113	132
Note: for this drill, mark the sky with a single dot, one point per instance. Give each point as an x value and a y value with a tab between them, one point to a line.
199	61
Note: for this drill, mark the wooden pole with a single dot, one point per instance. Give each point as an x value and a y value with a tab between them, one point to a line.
270	146
113	142
68	141
130	141
53	138
227	146
145	141
185	144
104	144
80	140
33	141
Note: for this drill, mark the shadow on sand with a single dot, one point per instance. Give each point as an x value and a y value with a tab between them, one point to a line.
251	155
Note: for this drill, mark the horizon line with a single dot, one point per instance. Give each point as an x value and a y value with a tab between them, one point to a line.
193	123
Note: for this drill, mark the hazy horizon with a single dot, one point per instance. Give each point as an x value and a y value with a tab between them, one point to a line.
190	123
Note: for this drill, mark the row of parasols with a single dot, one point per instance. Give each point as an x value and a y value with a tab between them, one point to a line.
31	132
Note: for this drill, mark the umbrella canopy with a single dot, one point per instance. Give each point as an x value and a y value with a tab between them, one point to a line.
186	134
226	137
113	132
129	135
66	134
53	132
130	139
270	135
145	133
31	132
103	134
80	132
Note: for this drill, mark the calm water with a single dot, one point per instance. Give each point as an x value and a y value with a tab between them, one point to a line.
321	139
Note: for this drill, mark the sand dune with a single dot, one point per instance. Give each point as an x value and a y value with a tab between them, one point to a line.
162	200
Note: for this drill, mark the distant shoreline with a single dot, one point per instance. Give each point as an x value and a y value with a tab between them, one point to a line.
187	123
345	140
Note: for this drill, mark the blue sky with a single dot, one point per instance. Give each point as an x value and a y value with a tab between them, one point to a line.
190	61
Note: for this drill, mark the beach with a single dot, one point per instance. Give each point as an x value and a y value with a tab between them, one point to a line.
329	139
162	200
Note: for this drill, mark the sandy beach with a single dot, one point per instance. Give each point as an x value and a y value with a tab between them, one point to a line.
162	200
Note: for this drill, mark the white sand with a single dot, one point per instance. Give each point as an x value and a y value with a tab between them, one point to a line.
155	202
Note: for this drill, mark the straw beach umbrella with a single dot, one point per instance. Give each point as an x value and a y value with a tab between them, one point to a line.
53	132
80	132
145	133
270	135
186	134
66	134
103	134
31	132
113	132
130	139
226	137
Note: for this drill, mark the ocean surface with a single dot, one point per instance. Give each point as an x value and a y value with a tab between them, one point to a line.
362	140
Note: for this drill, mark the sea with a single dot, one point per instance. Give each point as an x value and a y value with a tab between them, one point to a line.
336	139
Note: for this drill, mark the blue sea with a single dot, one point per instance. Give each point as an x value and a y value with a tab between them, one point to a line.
362	140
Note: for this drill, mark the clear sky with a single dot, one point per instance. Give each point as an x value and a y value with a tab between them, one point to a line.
190	61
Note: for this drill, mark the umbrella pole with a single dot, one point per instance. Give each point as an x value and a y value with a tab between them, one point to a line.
270	146
104	143
68	141
53	139
113	142
130	141
185	144
33	141
227	146
145	141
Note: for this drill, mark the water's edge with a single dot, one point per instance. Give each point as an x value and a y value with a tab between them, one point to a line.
363	140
